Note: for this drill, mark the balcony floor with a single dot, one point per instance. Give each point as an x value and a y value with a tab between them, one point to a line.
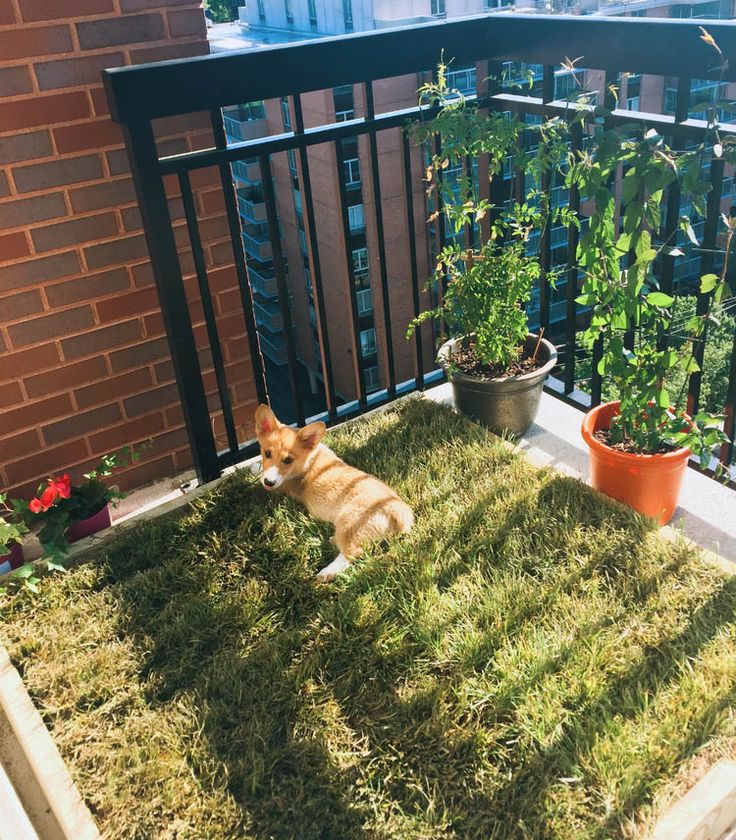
529	655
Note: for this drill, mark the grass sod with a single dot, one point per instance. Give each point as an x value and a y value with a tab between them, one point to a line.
531	662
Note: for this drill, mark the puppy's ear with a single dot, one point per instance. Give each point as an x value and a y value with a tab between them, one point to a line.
266	421
312	434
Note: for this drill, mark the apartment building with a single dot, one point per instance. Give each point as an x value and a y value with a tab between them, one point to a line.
343	191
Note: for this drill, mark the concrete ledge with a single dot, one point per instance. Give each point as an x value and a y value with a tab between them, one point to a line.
31	761
706	812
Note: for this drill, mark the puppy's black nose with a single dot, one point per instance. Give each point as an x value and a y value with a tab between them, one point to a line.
268	482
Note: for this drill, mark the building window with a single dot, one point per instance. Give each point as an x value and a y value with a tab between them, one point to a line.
438	8
368	342
344	105
347	12
364	299
312	6
356	217
352	172
289	11
370	374
360	265
462	80
261	11
286	113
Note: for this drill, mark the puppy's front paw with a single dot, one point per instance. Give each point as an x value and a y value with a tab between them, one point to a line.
331	571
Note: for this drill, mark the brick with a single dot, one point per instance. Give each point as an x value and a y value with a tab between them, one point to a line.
113	387
164	371
54	325
96	34
80	423
7	13
26	146
16	446
117	162
28	42
213	202
44	110
120	251
124	306
35	10
10	394
55	173
142	275
70	72
4	186
154	324
174	439
36	209
139	5
20	306
15	81
151	400
13	246
33	413
58	459
167	52
108	194
103	339
13	365
132	219
78	138
132	431
99	102
187	22
139	354
32	272
145	473
88	287
68	376
86	229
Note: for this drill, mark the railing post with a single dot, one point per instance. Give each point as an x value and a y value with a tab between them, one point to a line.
149	186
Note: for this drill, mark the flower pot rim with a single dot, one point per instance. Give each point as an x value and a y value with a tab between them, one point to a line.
446	348
588	427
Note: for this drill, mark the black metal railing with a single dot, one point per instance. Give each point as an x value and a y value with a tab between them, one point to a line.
140	95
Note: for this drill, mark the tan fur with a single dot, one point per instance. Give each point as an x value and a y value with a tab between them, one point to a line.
362	508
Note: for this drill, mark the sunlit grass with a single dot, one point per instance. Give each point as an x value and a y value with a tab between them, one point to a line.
531	662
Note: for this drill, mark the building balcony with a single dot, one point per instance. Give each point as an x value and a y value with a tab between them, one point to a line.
263	281
268	314
246	172
530	659
251	207
238	130
257	244
273	346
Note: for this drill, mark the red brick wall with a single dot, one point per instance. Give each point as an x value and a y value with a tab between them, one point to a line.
84	365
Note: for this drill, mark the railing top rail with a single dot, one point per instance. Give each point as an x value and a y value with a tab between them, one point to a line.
642	45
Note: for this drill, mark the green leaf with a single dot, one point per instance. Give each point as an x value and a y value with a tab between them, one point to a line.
660	299
708	282
663	398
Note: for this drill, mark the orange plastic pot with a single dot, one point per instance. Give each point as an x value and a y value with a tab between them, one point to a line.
650	484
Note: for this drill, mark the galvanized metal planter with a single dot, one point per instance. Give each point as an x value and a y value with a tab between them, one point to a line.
506	405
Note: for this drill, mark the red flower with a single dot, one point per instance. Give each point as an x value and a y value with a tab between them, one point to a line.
63	486
48	497
35	506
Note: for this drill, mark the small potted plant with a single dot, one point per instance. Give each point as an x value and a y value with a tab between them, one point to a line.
496	366
62	512
641	441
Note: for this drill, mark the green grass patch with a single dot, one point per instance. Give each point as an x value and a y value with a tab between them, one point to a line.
531	662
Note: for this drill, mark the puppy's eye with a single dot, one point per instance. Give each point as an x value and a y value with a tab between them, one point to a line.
288	460
267	453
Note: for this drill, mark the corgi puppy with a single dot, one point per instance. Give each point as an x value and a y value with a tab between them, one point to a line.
362	508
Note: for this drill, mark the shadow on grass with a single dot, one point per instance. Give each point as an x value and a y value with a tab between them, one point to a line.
306	694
